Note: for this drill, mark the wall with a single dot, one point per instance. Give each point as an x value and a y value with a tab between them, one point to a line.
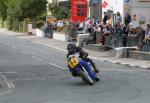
139	55
115	5
140	9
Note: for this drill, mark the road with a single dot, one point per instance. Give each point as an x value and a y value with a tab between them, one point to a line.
38	74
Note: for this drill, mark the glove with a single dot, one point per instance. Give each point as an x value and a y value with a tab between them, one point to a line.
85	55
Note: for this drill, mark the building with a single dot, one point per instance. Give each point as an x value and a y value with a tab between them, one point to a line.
139	9
95	8
60	2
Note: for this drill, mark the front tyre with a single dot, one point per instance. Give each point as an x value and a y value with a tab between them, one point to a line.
86	78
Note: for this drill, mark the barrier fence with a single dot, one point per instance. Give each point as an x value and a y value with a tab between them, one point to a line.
115	40
130	41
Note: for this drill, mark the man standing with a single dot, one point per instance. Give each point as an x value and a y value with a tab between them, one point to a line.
118	19
127	19
105	18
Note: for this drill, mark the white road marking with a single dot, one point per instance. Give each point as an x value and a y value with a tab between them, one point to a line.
24	52
2	41
12	85
7	44
36	42
37	58
30	79
34	53
117	70
8	72
14	47
4	77
27	79
42	51
57	66
9	84
6	92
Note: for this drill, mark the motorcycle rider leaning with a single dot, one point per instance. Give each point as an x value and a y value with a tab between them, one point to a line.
72	48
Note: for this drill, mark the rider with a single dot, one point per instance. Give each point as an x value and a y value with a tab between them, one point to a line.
72	48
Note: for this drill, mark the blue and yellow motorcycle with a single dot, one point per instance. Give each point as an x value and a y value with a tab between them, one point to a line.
82	69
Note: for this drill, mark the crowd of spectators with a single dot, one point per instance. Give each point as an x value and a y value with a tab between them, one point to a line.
118	33
110	30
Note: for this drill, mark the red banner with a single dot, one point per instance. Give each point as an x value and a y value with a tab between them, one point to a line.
105	4
79	10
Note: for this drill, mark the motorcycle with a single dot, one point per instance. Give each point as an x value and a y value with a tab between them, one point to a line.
83	69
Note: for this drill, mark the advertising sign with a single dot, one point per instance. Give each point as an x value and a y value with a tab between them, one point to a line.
79	10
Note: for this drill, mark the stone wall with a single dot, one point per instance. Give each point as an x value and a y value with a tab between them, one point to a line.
139	55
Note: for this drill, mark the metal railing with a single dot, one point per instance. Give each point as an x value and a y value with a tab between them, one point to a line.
114	40
111	40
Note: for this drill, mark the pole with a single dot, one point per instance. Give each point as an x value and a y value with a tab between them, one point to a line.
91	8
100	8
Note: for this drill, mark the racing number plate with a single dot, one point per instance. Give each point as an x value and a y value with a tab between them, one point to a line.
73	62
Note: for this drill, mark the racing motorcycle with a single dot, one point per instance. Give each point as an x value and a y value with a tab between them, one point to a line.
83	69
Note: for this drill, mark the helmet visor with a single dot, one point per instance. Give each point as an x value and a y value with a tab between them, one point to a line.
71	50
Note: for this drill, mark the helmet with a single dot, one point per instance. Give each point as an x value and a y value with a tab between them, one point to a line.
71	48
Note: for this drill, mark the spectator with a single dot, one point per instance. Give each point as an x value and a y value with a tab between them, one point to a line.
147	31
105	18
134	21
127	19
90	26
60	23
140	33
48	30
125	35
118	36
81	26
118	19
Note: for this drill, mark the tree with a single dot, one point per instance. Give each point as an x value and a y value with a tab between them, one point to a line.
32	9
14	15
59	11
20	9
3	9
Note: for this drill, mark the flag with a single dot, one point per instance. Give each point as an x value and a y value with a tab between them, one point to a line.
105	4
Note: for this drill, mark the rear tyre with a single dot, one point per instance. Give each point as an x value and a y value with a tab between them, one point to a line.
97	79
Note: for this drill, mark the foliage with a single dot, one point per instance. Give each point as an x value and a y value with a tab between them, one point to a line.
25	24
15	24
0	24
40	23
13	8
3	9
16	11
8	23
32	8
63	29
60	12
21	9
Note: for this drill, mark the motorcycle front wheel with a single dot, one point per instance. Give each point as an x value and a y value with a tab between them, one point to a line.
86	78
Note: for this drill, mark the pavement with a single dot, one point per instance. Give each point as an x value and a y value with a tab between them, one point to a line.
61	46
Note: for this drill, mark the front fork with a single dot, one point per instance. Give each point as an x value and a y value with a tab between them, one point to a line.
86	67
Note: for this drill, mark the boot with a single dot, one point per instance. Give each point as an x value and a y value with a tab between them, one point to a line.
95	69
